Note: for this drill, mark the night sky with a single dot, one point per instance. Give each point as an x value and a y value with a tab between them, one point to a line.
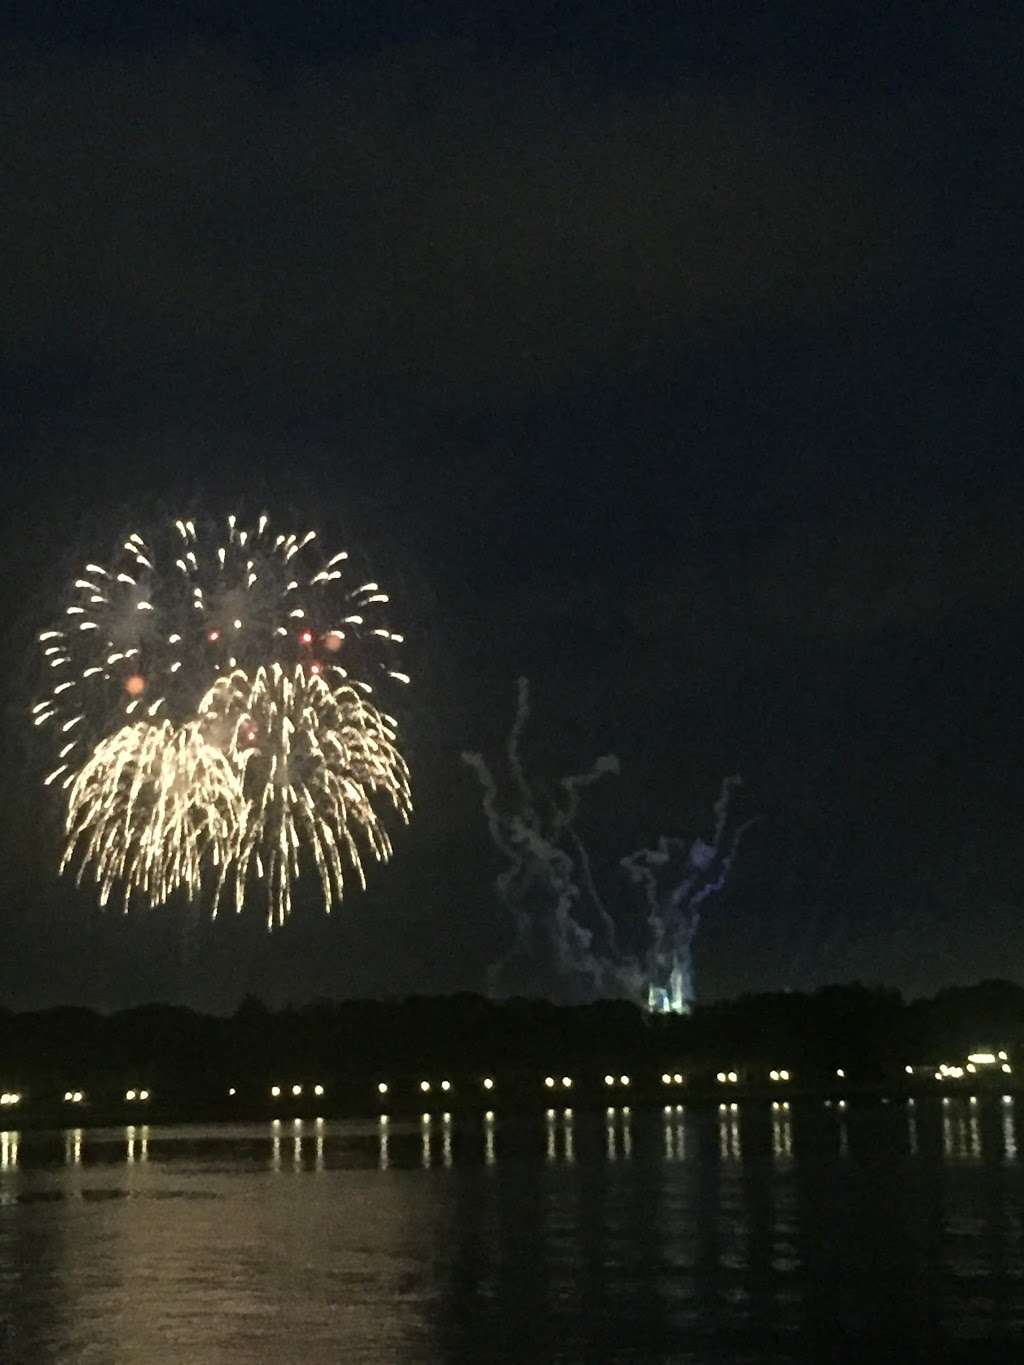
668	355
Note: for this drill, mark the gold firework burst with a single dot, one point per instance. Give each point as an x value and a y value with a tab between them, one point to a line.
154	807
315	762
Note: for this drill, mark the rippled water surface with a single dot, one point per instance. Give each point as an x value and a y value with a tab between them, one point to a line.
748	1233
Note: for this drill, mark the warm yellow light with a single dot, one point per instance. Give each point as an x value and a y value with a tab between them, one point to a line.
1002	1056
783	1075
549	1081
982	1058
129	1094
609	1080
158	807
666	1079
733	1077
143	1094
840	1073
623	1080
971	1068
567	1082
488	1083
678	1078
275	1090
446	1085
1006	1067
382	1088
296	1089
774	1075
909	1070
425	1086
231	1090
720	1077
318	1090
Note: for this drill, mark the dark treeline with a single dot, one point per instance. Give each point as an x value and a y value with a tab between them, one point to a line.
869	1032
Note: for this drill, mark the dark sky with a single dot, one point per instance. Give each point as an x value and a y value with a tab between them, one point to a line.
667	354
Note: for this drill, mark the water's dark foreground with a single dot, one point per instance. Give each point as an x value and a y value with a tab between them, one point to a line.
746	1233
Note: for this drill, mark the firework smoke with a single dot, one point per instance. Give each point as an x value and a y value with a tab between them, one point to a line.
539	886
566	943
676	879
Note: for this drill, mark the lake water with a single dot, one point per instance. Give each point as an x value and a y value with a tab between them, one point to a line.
746	1233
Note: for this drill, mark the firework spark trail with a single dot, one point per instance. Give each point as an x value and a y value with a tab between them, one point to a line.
676	879
538	886
152	807
146	635
208	694
312	759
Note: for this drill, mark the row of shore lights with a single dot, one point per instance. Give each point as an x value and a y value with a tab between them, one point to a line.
427	1086
732	1077
12	1097
276	1091
9	1097
976	1059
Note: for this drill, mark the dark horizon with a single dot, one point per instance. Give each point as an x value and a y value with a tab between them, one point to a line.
870	1035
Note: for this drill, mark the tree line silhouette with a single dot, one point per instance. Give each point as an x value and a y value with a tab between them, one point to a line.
871	1033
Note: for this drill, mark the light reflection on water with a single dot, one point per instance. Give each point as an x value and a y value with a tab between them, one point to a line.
730	1144
743	1231
136	1143
8	1151
782	1130
1009	1131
